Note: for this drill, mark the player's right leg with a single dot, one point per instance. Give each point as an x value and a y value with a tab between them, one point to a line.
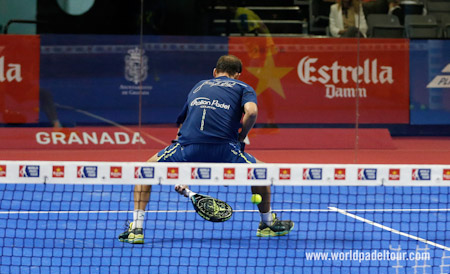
269	225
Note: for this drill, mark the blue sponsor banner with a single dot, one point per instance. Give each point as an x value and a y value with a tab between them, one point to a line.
421	174
97	79
430	82
87	172
29	171
367	174
202	173
312	174
258	173
144	172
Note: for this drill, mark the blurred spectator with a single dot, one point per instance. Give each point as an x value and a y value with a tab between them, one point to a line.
347	19
249	21
396	9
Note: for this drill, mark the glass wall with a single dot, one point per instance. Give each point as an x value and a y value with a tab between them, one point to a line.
102	72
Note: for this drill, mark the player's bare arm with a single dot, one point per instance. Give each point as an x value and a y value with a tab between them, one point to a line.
249	119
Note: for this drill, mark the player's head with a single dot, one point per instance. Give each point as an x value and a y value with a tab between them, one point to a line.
230	65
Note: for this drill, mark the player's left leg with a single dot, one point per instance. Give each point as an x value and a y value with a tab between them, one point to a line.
134	233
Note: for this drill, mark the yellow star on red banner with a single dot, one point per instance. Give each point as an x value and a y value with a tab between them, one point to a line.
269	76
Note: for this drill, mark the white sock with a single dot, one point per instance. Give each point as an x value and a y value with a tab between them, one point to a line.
138	218
267	218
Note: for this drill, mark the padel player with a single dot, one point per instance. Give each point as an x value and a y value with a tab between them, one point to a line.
209	132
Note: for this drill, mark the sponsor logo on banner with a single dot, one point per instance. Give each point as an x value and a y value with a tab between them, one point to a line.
446	174
285	173
10	72
339	173
367	174
257	173
339	80
441	81
172	173
394	174
58	172
145	172
115	172
312	174
229	173
136	71
136	66
421	174
202	173
87	172
28	171
19	79
2	170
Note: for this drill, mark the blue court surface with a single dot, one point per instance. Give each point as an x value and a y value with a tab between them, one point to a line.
74	229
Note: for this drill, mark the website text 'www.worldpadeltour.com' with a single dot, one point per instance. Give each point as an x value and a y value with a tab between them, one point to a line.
360	256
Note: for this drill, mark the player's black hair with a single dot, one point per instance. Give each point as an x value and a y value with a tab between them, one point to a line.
229	64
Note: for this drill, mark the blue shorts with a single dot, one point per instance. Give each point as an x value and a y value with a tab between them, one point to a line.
206	153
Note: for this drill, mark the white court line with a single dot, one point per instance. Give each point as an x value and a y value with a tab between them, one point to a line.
389	229
398	210
87	113
331	209
149	211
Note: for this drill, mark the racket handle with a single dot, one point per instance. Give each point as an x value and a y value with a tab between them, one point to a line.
189	193
186	192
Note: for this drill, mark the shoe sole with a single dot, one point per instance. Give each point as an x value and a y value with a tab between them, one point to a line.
136	241
274	234
132	241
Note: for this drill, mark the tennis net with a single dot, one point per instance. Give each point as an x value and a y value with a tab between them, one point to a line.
66	217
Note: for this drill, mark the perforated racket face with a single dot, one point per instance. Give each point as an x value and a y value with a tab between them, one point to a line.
213	210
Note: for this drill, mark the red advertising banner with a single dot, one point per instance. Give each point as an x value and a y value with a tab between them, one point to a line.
300	80
19	78
86	138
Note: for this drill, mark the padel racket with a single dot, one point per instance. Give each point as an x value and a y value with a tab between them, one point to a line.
209	208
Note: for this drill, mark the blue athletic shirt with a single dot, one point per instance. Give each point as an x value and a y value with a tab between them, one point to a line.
213	111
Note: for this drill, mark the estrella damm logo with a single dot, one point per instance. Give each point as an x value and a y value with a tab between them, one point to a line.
445	174
285	173
394	174
172	173
367	174
339	173
202	173
115	172
2	170
29	171
89	172
312	174
257	173
421	174
58	172
229	173
144	172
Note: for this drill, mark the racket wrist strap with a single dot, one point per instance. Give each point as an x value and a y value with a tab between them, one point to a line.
189	192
